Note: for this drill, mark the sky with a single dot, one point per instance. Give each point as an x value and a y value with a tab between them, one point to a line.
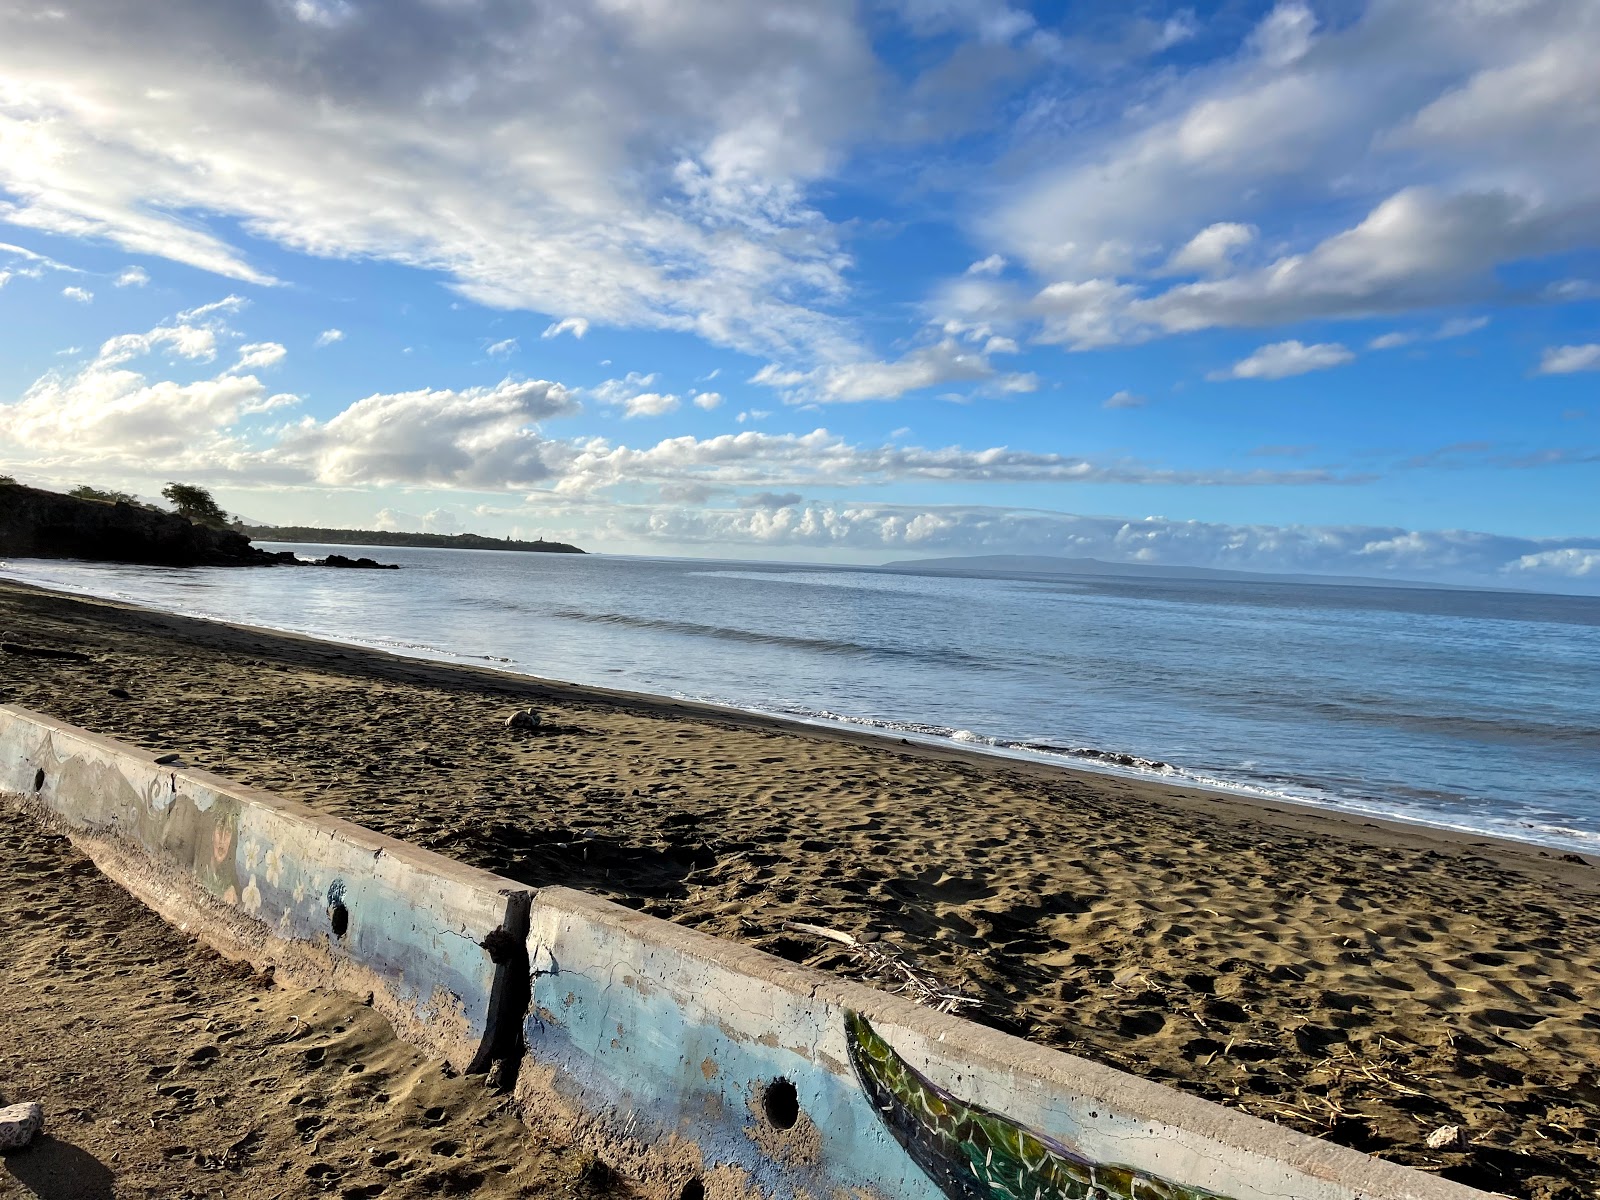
1306	287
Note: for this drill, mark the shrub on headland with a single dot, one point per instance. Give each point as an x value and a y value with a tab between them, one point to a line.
85	492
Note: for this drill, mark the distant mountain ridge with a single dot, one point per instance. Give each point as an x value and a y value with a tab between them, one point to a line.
381	537
1047	564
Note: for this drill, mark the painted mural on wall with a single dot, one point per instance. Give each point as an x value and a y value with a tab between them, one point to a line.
973	1153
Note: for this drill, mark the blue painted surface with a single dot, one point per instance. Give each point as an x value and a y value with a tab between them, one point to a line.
657	1062
417	931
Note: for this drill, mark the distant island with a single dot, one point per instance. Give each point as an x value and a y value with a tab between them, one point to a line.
389	537
1047	564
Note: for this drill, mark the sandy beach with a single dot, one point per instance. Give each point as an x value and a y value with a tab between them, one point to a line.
168	1073
1362	981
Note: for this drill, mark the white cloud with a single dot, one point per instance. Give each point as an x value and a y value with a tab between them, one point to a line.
907	531
105	411
502	349
990	20
576	326
1453	328
472	438
627	162
132	277
1566	360
1392	341
1125	399
1212	249
1283	359
228	304
944	362
707	400
649	404
1459	327
993	265
1378	185
259	354
186	341
329	336
1568	563
81	295
632	395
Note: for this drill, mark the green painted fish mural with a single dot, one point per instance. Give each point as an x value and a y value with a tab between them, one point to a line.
975	1154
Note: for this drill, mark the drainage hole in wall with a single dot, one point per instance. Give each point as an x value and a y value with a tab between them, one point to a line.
693	1190
781	1104
339	918
38	780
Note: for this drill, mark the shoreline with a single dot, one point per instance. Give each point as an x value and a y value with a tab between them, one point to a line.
1362	980
939	747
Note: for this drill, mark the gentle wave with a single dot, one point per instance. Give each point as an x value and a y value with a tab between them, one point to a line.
1269	788
818	645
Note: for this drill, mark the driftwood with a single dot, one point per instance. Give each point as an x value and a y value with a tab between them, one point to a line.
893	967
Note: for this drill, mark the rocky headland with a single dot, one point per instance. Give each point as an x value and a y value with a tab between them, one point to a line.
35	523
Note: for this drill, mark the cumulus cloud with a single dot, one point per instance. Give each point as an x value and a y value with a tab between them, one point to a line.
907	531
81	295
945	362
824	459
1567	360
993	265
708	400
576	326
633	395
1283	359
132	277
1212	249
1124	399
259	354
1479	162
1568	563
329	336
476	437
502	349
105	411
770	500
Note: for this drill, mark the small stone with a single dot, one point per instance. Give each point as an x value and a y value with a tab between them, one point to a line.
524	718
1447	1137
166	760
18	1125
119	693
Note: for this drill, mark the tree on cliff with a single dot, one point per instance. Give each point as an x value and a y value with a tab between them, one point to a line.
195	503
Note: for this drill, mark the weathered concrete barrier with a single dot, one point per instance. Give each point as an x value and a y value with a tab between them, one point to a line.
716	1070
320	901
702	1067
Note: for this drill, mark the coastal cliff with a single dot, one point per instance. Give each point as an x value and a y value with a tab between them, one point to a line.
40	524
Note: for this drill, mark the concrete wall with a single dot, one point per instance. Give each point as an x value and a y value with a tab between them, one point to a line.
659	1038
321	902
701	1067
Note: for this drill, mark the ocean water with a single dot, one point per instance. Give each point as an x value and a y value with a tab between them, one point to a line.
1469	710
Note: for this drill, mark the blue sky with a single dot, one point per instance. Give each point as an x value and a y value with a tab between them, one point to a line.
1309	287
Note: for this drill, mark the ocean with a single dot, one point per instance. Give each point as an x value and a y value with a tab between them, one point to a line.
1470	710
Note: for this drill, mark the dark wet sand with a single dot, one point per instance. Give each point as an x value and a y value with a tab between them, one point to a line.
1359	980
